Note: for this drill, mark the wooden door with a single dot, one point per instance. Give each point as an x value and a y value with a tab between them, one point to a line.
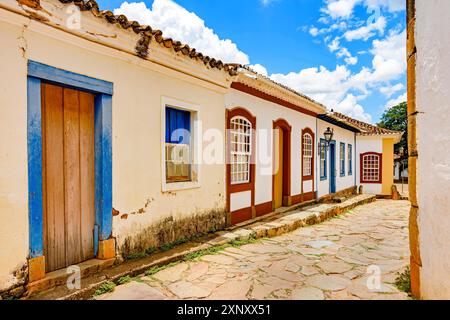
278	181
68	176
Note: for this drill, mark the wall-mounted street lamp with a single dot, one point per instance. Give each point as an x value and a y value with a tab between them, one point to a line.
328	135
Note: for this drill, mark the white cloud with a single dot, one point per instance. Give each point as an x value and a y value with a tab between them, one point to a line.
259	69
366	32
352	108
343	9
180	24
330	87
389	91
341	52
391	5
396	101
351	60
343	90
314	31
389	60
334	45
340	8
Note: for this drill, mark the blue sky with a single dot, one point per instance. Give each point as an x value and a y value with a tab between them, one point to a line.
347	54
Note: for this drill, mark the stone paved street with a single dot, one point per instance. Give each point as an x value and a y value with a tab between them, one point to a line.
331	260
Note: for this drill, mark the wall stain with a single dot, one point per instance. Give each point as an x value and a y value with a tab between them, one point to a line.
169	230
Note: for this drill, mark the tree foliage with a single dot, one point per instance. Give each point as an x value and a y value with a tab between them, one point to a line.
396	118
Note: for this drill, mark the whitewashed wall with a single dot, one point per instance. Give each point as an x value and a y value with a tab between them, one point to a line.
433	139
266	112
340	135
368	144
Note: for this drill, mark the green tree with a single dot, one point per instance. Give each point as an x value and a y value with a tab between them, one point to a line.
396	118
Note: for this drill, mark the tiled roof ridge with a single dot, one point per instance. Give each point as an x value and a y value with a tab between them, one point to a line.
148	33
366	128
246	67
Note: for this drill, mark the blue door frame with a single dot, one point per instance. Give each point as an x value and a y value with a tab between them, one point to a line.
103	90
332	167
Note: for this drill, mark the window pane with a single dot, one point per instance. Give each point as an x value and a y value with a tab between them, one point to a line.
178	149
240	134
307	154
178	126
371	168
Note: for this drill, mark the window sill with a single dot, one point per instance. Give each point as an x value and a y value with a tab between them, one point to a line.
179	186
323	178
371	182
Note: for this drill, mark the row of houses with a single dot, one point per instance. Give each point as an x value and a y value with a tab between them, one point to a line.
116	139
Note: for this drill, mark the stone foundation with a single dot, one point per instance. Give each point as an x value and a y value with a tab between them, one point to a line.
340	194
18	288
169	231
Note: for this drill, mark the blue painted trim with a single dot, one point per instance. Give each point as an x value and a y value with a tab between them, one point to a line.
103	165
96	234
67	78
323	175
350	160
34	133
342	159
103	150
333	170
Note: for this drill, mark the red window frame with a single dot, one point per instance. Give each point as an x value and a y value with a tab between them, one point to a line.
313	159
380	167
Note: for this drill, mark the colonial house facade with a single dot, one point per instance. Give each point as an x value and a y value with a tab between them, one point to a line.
116	139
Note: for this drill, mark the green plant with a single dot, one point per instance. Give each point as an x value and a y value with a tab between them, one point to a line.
150	250
403	282
124	280
155	269
204	252
105	288
181	241
135	256
166	247
240	243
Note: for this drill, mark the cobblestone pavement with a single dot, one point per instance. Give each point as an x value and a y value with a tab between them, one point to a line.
332	260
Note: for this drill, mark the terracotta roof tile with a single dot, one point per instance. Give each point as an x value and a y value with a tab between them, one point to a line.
148	33
237	66
364	128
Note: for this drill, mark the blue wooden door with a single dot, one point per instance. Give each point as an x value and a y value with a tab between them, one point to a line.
332	167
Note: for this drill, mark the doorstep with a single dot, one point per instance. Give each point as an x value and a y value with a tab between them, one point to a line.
59	277
274	225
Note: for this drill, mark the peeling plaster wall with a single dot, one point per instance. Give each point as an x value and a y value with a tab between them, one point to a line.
139	86
340	135
433	143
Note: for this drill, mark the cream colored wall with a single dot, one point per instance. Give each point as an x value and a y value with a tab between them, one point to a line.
266	112
340	135
388	166
433	145
138	89
13	156
368	144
